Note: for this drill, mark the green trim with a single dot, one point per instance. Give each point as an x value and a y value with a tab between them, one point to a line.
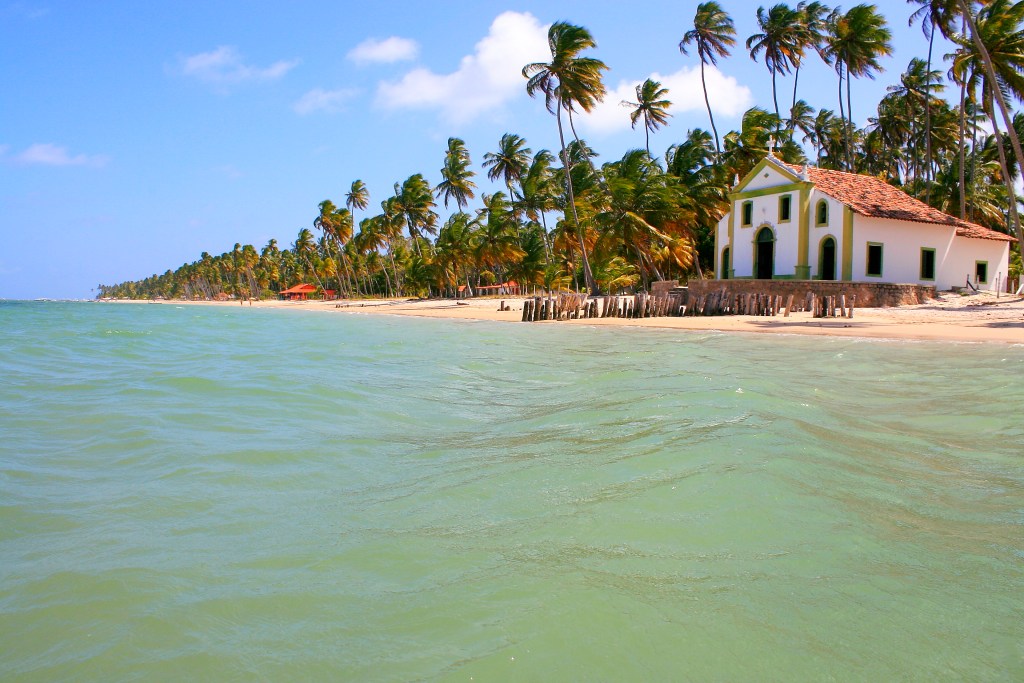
847	243
782	201
818	223
756	171
978	280
881	258
921	270
717	251
732	240
744	223
804	233
786	277
765	191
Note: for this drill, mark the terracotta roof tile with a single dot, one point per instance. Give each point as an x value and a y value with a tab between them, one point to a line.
870	196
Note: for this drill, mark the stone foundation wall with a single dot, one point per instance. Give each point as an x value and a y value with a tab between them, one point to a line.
869	294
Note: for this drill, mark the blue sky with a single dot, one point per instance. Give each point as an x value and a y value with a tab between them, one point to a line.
135	136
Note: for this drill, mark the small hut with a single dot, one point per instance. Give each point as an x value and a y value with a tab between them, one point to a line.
298	292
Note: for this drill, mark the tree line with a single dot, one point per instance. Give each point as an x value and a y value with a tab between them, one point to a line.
565	221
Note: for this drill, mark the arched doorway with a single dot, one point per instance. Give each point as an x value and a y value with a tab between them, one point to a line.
827	261
725	264
765	254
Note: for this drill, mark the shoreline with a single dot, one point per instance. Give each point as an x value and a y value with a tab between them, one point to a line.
978	318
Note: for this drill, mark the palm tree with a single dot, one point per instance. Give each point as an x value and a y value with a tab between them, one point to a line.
856	41
496	243
933	14
713	33
801	118
457	177
780	40
650	105
510	161
812	23
999	41
454	248
414	205
568	82
537	191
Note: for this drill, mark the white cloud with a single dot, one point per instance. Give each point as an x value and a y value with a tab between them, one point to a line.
484	81
47	154
393	49
225	65
727	97
318	99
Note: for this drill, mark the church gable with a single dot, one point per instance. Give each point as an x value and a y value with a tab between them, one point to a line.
766	175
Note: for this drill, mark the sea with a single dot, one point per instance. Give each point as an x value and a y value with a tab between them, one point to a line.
244	494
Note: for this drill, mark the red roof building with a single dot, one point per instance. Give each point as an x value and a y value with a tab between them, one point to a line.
790	222
298	292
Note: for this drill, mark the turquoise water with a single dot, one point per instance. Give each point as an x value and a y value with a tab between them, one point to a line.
202	493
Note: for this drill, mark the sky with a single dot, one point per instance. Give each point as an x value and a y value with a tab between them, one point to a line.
135	136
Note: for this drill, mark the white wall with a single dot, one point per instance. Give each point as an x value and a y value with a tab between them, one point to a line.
902	242
965	252
816	233
768	177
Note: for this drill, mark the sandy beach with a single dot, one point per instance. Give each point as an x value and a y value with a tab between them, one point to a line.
978	318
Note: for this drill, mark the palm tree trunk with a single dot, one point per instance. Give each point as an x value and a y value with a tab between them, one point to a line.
961	150
974	154
587	273
994	85
928	119
849	132
842	109
775	96
1011	191
796	81
707	103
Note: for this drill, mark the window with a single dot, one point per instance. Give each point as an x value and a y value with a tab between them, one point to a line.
874	264
785	202
725	263
927	264
821	213
980	272
748	213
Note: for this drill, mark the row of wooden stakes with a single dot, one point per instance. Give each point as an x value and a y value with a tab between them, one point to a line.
570	306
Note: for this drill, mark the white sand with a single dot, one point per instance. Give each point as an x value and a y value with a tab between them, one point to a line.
951	317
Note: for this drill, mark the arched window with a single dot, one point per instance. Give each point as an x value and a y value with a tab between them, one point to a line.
821	213
725	264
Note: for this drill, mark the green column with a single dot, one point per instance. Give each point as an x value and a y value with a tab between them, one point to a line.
803	267
847	243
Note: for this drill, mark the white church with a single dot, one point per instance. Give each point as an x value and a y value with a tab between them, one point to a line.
788	222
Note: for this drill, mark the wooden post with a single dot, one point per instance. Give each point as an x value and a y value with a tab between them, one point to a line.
853	302
789	305
842	305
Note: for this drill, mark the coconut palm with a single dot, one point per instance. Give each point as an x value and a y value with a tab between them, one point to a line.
453	252
569	82
780	40
414	206
713	33
537	191
934	15
510	162
856	41
457	177
651	106
812	23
